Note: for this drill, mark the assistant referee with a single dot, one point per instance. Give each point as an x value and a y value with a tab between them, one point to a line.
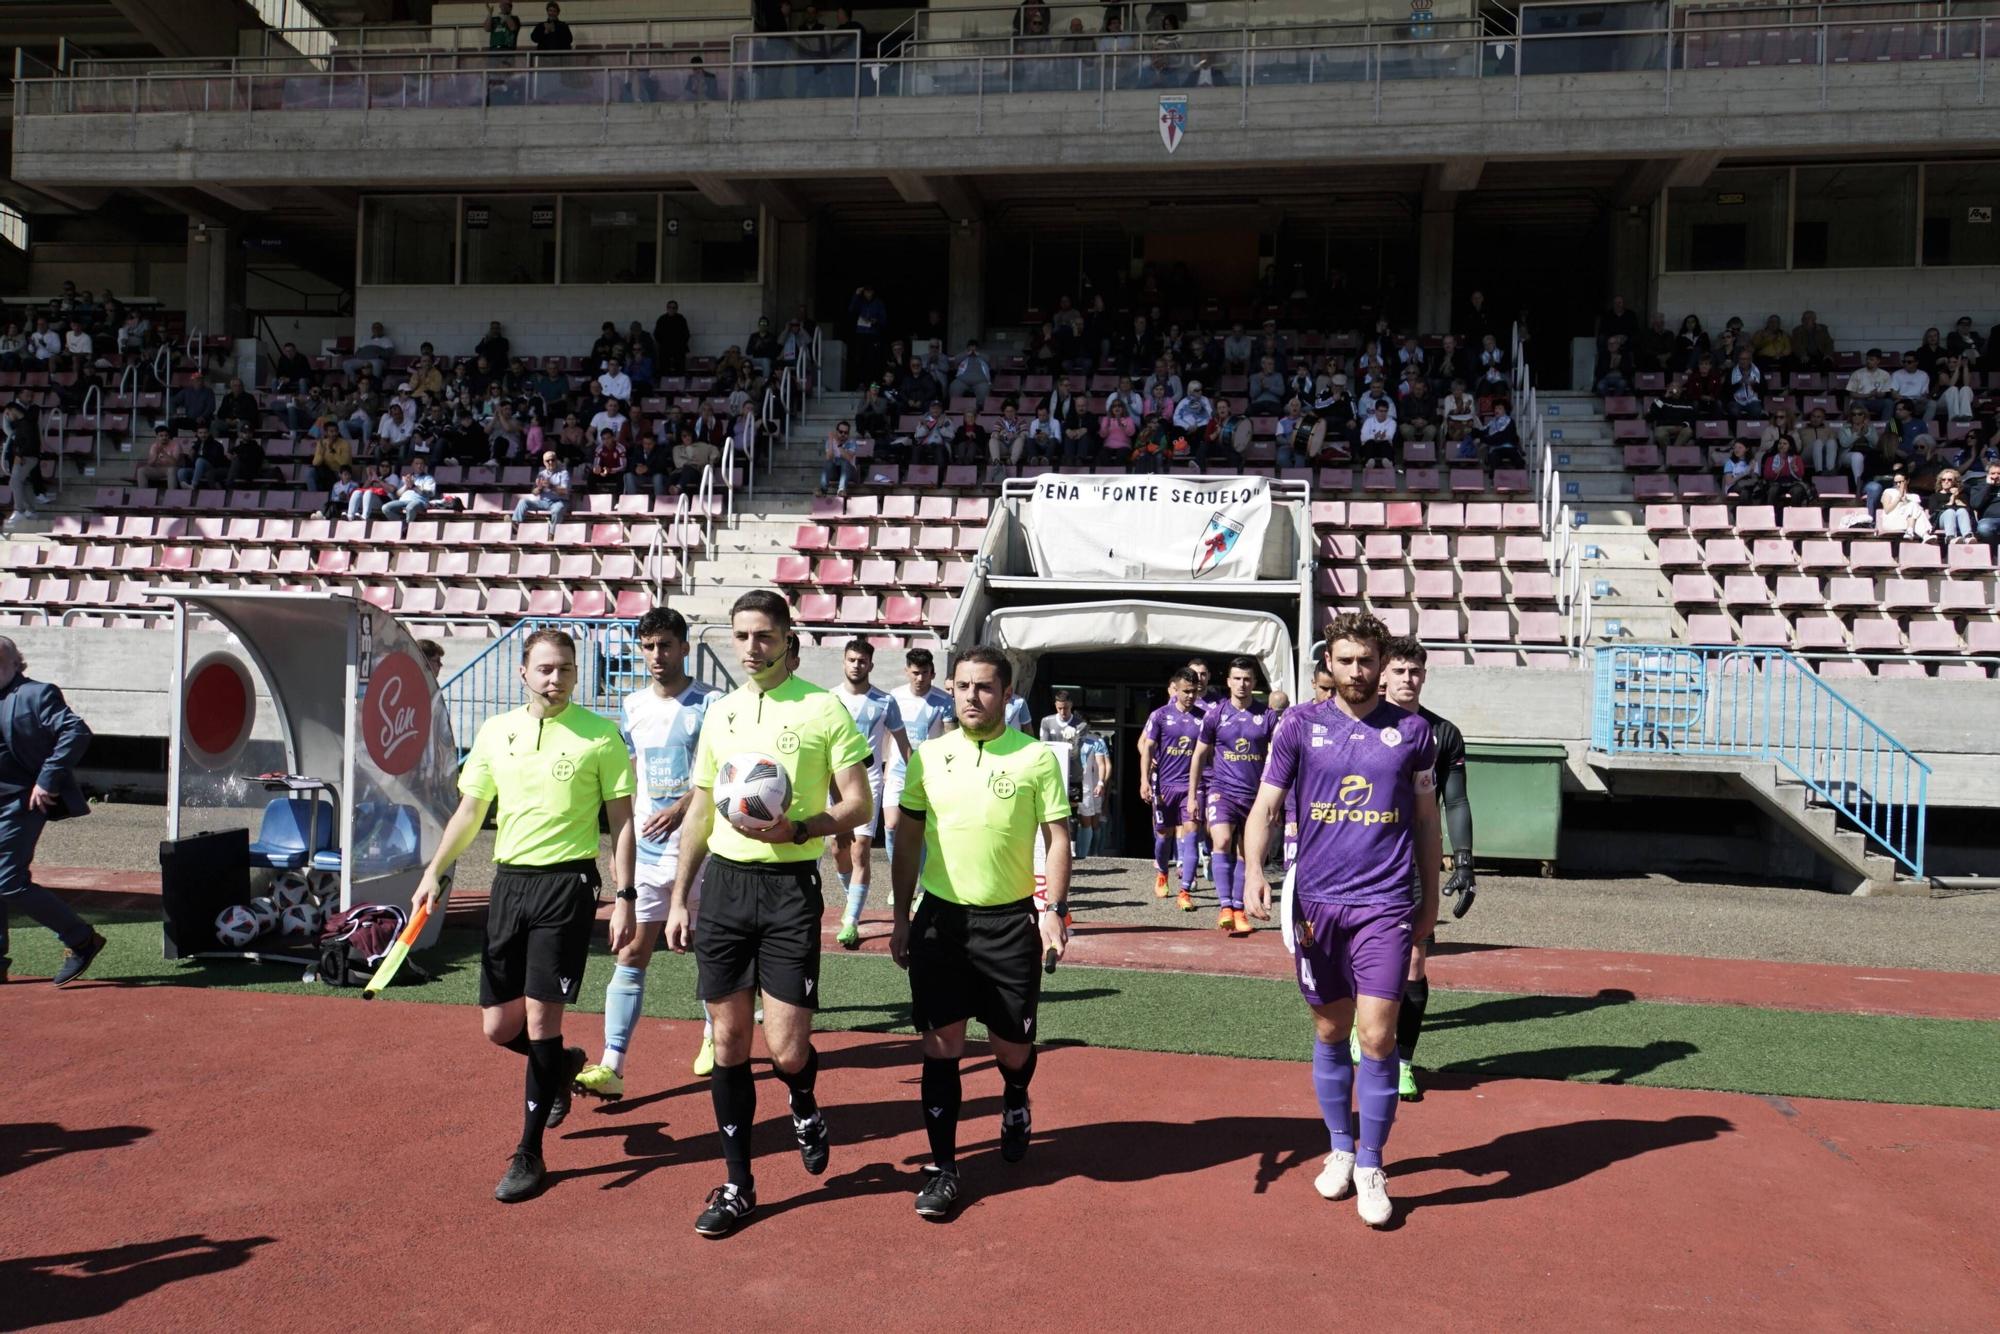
551	765
982	794
761	903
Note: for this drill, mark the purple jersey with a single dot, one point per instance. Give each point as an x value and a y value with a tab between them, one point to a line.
1356	783
1241	739
1173	734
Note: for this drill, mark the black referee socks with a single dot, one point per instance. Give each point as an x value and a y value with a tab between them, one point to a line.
1014	1090
1410	1019
943	1096
804	1105
735	1095
547	1072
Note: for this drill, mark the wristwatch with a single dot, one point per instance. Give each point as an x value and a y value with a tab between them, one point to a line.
629	894
1059	909
799	831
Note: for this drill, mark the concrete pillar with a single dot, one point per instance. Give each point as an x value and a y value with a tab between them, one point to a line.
1436	232
791	268
965	287
215	282
1629	266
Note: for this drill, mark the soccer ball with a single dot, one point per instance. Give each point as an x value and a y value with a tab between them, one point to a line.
290	890
301	919
266	913
328	903
752	791
236	925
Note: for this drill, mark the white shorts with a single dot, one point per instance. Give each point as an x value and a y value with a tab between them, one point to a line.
892	789
875	781
656	884
1089	805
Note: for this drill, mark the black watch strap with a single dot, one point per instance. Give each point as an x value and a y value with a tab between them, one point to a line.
628	894
801	832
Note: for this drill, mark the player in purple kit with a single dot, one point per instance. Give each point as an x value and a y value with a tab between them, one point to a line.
1166	758
1363	771
1235	739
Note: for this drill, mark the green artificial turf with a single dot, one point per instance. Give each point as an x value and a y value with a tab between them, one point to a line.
1939	1062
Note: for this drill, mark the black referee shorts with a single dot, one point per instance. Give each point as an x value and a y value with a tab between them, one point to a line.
538	925
759	927
976	963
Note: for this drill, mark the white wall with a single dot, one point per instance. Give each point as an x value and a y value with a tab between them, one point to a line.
551	320
1864	307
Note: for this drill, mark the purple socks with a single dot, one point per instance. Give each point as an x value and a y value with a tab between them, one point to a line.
1376	1092
1333	1085
1190	858
1228	878
1163	852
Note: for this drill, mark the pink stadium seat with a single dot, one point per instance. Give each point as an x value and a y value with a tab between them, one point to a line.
1378	477
1666	518
1693	590
1364	514
1961	671
1439	625
1651	486
1709	519
1982	637
1532	585
1812	633
1509	481
859	609
1964	596
1822	554
875	572
1380	548
1745	590
811	537
1488	627
1484	514
1877	634
1479	586
834	572
1710	629
1404	514
1755	519
1429	548
1341	584
1933	636
1906	594
1434	586
1725	553
1444	515
940	611
1639	458
1846	591
1970	558
1468	481
1521	516
1766	631
1772	553
1396	620
1340	547
902	610
1477	549
1919	558
1696	484
818	607
1798	590
1871	556
1388	583
1524	549
794	570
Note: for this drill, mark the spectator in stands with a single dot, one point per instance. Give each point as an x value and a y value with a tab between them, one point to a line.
1982	498
1900	513
1617	320
1128	394
13	348
337	496
1268	389
246	460
1729	342
1772	346
1953	401
1871	386
1492	359
22	427
1738	473
1819	441
1163	373
373	354
1951	510
1288	432
1458	408
839	461
205	459
1614	366
77	347
1812	344
1364	406
1010	437
1378	434
552	34
1192	413
331	454
1452	362
1673	413
44	344
424	377
503	28
1215	447
192	405
132	335
606	470
1499	440
291	373
379	485
1963	342
1236	349
1044	437
237	409
392	434
930	442
1706	386
358	411
1746	387
162	459
969	441
1911	383
1116	430
614	382
870	317
611	417
1657	347
972	375
550	494
1782	421
762	347
1417	410
652	467
1783	472
692	456
1915	446
872	416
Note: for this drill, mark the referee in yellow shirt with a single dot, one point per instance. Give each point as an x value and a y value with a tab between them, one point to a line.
551	765
761	905
981	794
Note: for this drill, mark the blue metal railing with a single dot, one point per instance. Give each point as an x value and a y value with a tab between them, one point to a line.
1764	704
608	668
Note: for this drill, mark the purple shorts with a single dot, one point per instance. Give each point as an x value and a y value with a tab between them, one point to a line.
1228	808
1356	949
1169	810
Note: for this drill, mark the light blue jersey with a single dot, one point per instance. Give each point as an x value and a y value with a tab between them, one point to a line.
875	717
1018	715
924	716
660	734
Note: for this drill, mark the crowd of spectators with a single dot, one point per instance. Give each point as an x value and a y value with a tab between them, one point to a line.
1906	428
1139	391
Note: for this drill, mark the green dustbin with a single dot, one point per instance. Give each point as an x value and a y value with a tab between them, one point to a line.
1516	794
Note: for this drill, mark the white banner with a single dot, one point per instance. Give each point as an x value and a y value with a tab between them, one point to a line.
1162	528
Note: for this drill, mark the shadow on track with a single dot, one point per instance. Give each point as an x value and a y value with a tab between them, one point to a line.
54	1289
25	1143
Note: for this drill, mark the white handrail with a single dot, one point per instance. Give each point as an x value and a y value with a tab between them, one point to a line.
192	349
746	444
95	394
705	497
656	551
163	371
680	538
818	341
128	384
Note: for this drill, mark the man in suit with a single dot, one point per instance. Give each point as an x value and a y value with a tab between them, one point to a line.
41	740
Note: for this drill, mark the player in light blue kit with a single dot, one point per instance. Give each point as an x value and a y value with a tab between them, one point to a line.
880	723
927	712
1019	715
660	725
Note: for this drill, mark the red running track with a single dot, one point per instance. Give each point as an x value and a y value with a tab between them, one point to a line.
1457	966
183	1159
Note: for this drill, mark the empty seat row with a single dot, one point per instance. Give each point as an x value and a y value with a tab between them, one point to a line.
1824	632
1864	555
1429	585
860	609
1749	520
1433	548
1967	597
839	572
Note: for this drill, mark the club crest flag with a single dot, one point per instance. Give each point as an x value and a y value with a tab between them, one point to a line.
1173	120
1168	528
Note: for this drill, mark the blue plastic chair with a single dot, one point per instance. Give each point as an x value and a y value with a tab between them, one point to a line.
293	829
